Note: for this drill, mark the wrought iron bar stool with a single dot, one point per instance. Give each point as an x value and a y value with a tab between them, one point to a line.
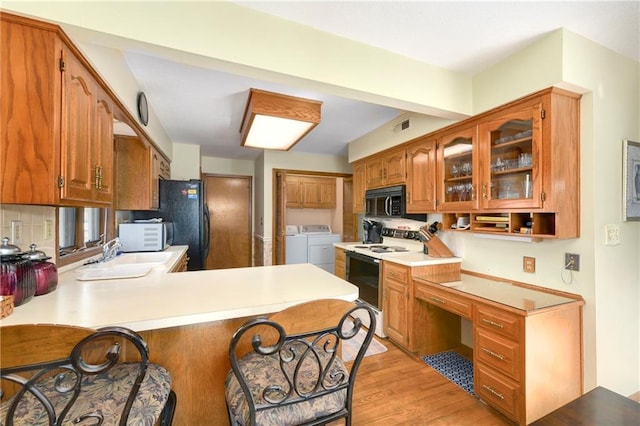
293	376
63	375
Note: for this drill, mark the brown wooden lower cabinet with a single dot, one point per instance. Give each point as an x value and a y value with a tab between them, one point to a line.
181	265
197	358
340	263
527	362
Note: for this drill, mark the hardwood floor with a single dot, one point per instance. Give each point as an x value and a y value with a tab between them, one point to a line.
396	388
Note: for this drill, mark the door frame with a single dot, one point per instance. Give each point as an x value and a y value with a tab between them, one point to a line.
278	223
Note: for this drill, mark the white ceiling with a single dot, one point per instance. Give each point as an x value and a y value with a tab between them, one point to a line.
206	106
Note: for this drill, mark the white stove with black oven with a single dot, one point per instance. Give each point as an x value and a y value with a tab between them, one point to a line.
399	237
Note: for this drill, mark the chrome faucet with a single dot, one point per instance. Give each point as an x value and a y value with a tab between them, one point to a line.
110	249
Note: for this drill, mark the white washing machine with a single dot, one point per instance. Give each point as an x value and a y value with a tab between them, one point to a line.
296	247
320	250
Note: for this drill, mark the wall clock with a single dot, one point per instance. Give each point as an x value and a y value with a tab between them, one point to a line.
143	108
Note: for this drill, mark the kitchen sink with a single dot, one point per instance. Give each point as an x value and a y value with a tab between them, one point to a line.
127	265
150	258
113	272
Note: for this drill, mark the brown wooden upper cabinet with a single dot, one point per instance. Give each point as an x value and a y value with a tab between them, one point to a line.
310	192
56	120
458	170
421	175
386	169
87	135
139	168
512	170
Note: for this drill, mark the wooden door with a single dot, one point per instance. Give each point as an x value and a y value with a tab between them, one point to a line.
280	192
349	232
103	152
394	168
359	186
229	202
373	173
78	105
295	196
421	177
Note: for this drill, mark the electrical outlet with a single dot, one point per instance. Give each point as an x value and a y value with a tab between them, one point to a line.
529	264
48	230
16	231
572	261
612	235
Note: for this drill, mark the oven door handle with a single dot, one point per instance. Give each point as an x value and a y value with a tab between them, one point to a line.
387	206
362	257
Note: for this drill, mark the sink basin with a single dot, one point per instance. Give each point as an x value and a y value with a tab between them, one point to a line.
113	272
150	258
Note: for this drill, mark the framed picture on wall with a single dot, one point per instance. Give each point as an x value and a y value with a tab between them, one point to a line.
631	180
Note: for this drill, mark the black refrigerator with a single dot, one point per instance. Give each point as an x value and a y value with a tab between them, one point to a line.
182	203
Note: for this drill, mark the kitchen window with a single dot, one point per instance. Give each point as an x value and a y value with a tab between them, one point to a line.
81	231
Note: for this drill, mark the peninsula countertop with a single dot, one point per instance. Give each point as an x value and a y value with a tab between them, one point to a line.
162	299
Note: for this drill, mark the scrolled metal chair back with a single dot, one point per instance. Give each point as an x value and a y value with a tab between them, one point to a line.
52	388
308	365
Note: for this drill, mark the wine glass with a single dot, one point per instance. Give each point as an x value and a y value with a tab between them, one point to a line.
450	191
455	170
466	168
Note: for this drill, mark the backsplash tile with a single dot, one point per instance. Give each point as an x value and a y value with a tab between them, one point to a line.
33	218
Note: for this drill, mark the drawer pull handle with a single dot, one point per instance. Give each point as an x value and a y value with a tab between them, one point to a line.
437	299
493	354
492	323
493	392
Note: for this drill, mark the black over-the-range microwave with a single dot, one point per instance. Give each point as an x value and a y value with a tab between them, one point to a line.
386	202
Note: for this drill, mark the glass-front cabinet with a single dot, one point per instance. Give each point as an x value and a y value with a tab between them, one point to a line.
511	155
458	175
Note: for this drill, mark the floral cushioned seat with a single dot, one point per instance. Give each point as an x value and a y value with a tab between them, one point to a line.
104	393
62	375
263	371
296	378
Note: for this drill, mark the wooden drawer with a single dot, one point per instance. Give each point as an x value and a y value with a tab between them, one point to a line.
395	272
498	391
443	299
181	265
498	352
499	321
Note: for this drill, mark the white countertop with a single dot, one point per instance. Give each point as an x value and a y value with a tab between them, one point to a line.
162	299
505	293
410	258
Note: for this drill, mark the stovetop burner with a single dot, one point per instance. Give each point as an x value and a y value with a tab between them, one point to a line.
378	248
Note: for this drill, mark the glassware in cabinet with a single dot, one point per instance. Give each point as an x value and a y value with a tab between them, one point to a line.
458	172
512	155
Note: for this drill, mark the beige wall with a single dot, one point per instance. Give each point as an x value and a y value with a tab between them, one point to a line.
387	136
186	161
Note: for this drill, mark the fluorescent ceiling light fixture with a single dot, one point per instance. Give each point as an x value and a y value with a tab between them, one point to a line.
276	121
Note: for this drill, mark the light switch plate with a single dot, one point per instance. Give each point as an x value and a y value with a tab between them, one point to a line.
611	235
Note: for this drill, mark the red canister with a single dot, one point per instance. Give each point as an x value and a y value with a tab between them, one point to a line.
17	276
46	272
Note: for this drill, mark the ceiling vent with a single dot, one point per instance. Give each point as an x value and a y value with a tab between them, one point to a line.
403	125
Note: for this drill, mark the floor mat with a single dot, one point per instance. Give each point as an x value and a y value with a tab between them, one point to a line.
350	347
454	367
